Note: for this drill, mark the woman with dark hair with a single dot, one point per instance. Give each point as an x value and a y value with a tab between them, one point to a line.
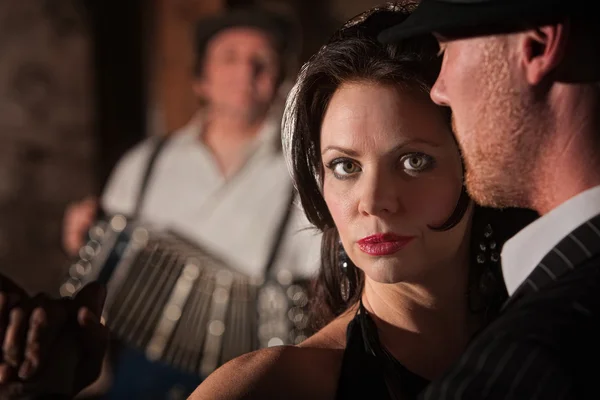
410	266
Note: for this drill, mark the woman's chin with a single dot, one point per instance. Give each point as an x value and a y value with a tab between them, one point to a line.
387	271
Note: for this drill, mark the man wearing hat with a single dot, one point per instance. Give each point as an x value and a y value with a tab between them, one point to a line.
221	180
522	79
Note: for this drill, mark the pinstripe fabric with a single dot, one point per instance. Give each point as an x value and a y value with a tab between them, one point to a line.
548	330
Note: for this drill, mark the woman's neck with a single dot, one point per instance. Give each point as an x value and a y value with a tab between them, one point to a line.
425	326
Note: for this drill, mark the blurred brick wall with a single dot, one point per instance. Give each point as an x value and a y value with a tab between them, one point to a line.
46	140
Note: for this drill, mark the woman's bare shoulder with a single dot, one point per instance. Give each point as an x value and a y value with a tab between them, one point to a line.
332	335
288	372
310	370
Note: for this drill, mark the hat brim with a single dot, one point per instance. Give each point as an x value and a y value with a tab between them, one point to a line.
440	17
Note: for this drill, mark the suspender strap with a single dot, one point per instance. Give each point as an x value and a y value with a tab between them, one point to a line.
158	146
279	233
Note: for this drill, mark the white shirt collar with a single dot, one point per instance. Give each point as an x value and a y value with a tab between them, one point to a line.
269	132
524	251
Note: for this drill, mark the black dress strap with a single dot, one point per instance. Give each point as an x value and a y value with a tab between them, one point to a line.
361	376
367	366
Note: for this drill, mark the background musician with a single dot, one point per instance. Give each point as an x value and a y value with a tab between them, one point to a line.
221	180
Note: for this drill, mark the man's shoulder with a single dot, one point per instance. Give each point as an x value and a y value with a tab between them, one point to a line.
556	313
580	284
538	346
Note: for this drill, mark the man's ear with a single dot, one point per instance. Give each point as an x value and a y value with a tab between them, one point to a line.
542	50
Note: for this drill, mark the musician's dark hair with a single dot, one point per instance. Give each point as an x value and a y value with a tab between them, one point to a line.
353	54
282	29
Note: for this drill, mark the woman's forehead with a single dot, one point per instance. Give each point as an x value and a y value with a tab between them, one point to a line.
360	112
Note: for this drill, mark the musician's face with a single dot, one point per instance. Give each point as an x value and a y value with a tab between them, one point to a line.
391	170
239	74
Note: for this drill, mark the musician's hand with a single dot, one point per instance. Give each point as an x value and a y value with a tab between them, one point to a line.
72	357
93	335
53	346
11	295
33	327
77	220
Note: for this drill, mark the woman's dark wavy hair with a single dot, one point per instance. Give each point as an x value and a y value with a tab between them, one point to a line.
353	54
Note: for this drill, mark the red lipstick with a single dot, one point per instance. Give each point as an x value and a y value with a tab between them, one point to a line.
383	244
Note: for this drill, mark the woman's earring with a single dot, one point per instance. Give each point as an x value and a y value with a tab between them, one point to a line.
344	264
488	245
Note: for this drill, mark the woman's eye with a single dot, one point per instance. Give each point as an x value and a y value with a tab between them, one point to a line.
416	162
343	168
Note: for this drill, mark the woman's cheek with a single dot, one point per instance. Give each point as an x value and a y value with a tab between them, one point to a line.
340	202
432	201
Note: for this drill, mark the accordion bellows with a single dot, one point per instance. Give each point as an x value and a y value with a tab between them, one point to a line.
182	305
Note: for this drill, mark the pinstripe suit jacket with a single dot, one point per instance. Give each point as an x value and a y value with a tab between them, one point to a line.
546	342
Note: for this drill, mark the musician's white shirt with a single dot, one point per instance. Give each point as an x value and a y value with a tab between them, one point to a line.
235	218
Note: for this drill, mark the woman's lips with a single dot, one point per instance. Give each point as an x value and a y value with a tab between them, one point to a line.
383	244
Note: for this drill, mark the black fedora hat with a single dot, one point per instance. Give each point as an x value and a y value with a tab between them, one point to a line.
478	15
282	29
